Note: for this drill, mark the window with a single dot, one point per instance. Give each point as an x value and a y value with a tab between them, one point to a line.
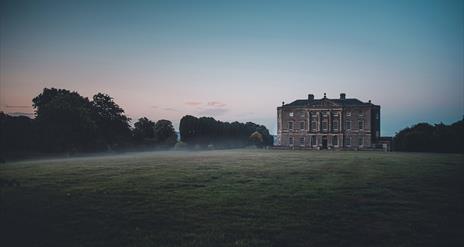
302	141
335	124
360	141
313	140
290	114
324	124
290	141
313	125
348	141
290	125
348	114
302	125
361	124
302	115
348	125
335	140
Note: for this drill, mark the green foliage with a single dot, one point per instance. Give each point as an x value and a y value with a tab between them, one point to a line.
64	120
257	139
17	134
144	128
424	137
206	131
165	133
112	124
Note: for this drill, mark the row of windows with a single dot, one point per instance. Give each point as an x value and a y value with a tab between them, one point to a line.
325	124
348	114
313	141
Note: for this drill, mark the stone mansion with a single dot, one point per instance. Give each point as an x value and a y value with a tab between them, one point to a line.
343	123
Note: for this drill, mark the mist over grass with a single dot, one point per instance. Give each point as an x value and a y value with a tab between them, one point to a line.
235	198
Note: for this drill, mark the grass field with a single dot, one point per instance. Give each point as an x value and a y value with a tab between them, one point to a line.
235	198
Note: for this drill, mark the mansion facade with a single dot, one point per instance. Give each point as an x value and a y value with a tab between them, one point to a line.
343	123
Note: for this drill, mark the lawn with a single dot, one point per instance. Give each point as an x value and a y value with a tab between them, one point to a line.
235	198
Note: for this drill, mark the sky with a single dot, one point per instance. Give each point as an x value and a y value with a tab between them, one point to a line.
238	60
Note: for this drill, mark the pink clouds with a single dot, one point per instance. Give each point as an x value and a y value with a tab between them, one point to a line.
216	104
193	103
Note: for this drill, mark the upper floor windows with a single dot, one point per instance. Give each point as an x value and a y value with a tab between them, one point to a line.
290	125
313	125
348	114
290	114
302	125
361	124
335	124
324	125
348	125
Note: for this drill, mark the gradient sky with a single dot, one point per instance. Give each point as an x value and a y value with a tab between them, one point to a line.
238	60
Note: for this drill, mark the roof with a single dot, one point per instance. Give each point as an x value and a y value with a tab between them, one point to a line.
327	101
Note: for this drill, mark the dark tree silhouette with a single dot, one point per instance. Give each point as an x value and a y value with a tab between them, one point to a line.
17	134
206	131
424	137
64	120
112	125
165	134
144	128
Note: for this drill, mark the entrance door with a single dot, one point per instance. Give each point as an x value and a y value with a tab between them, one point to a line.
324	142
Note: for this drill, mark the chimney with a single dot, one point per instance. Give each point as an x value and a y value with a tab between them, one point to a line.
342	96
283	103
310	97
325	95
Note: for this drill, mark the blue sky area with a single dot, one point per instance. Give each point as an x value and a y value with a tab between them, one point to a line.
238	60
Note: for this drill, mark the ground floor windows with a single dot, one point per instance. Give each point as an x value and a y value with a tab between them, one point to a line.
335	140
290	141
302	141
313	140
360	141
348	141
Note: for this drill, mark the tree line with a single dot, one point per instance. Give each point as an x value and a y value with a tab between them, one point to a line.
66	122
424	137
206	131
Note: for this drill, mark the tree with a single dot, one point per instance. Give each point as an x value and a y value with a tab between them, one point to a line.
257	139
112	125
206	131
64	120
424	137
17	134
165	133
144	128
188	129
